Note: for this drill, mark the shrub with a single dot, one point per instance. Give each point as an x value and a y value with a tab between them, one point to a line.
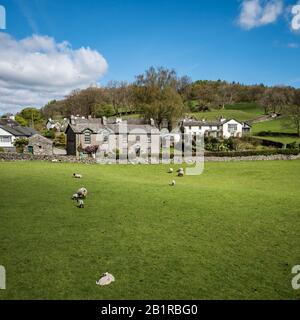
1	149
50	134
20	144
91	149
253	153
60	140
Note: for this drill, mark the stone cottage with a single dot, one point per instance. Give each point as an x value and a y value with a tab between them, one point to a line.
39	145
109	135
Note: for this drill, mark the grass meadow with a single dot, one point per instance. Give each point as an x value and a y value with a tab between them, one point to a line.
231	233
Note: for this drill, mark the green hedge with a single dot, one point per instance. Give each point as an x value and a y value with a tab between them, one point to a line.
253	153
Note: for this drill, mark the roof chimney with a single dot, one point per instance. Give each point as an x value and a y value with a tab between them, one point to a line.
72	119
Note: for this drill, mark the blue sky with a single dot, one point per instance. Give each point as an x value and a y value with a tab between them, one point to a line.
201	38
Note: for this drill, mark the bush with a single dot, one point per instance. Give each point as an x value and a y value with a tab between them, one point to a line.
1	149
20	144
50	134
60	140
91	149
253	153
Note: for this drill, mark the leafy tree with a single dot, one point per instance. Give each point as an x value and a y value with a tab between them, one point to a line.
20	144
100	110
21	121
157	96
60	140
31	115
292	114
50	134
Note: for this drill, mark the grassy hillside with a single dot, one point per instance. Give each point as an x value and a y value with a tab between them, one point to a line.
239	111
231	233
276	126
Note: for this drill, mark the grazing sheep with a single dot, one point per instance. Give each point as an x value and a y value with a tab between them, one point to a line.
75	196
77	175
173	183
81	203
171	170
106	279
180	170
180	173
82	192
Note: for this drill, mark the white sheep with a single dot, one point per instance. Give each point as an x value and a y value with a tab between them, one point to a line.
173	183
75	196
106	279
82	192
77	175
171	170
81	203
180	172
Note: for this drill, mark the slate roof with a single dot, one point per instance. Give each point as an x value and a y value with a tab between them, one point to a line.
38	137
19	131
202	123
96	125
8	121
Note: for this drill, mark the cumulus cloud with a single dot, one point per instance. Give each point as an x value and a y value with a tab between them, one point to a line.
37	69
256	13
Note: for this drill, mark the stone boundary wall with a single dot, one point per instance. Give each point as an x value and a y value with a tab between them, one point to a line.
72	159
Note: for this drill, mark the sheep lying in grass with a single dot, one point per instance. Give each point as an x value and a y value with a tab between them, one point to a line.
106	279
77	175
180	172
75	196
82	192
171	170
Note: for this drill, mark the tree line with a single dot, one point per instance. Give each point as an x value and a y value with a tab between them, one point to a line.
159	93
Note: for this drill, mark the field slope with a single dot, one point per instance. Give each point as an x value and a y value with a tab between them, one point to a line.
231	233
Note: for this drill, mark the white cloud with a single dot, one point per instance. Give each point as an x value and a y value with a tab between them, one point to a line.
37	69
293	45
256	13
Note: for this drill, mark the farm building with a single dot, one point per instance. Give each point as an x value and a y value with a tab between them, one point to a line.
218	129
132	136
39	145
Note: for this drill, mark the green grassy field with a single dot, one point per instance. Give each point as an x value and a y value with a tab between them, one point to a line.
276	126
239	111
230	233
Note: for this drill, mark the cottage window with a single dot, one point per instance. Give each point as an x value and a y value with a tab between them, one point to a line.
105	138
87	137
232	127
5	139
137	139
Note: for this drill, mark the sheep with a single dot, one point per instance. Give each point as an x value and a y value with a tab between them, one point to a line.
173	183
180	173
81	203
82	192
75	196
77	175
171	170
105	279
180	170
